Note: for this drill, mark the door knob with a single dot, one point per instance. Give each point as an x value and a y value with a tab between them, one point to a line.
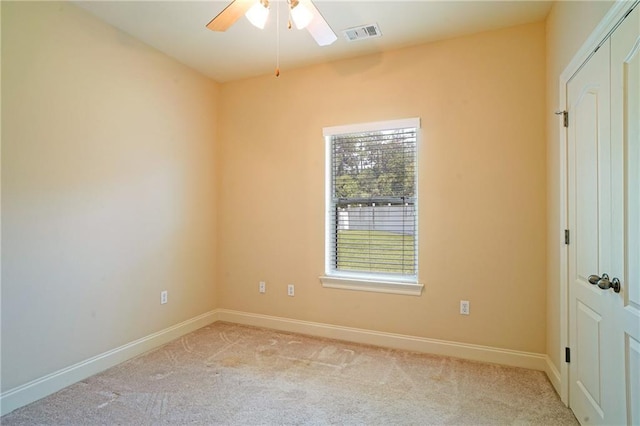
593	279
604	283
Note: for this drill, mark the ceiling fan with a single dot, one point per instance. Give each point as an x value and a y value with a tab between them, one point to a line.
303	13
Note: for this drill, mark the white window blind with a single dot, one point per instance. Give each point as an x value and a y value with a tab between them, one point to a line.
372	200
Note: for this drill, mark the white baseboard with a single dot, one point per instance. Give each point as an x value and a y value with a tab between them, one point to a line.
46	385
512	358
553	374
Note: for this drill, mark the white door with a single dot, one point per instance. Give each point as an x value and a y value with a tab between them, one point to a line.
591	310
603	188
625	139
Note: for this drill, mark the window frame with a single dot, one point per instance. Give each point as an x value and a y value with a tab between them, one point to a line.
366	281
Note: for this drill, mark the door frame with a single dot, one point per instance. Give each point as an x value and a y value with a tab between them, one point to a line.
602	31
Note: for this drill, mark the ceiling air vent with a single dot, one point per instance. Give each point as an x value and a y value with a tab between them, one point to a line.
362	32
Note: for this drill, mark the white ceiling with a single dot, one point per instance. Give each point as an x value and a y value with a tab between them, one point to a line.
177	28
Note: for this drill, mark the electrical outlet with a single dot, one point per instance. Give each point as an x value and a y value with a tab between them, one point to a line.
164	296
290	290
262	287
464	307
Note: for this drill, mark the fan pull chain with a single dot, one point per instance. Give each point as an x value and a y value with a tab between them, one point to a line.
277	39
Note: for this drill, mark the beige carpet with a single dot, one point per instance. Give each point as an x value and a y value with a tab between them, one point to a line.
236	375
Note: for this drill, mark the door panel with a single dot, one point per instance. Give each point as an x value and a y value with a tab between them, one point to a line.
588	326
586	167
631	90
633	373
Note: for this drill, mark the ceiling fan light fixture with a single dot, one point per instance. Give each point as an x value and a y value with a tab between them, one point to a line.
258	13
300	15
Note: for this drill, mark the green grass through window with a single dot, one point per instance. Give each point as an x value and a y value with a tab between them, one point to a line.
375	251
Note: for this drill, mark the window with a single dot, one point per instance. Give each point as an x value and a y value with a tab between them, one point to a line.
372	199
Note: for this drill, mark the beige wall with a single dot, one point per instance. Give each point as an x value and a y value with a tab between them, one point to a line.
568	25
482	187
108	193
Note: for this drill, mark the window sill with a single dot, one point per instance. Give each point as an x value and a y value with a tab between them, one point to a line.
377	286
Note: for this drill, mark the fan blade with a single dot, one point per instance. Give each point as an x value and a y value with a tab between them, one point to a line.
318	27
230	15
